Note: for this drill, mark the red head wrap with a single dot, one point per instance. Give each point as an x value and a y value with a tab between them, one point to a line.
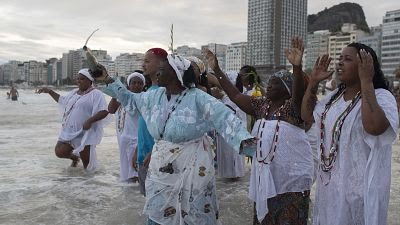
158	52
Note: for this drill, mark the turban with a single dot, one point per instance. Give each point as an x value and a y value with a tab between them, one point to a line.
198	62
158	52
286	78
135	74
179	64
85	72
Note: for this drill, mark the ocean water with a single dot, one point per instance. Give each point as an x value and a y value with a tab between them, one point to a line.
36	187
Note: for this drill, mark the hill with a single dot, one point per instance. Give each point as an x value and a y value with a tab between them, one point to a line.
333	18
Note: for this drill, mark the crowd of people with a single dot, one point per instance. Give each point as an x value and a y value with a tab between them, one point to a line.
178	120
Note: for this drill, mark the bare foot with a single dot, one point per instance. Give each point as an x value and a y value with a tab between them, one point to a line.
75	162
134	179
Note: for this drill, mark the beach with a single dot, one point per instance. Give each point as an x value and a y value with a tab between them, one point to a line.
36	187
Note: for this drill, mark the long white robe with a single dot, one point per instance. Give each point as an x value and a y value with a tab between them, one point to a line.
126	126
230	163
357	189
76	109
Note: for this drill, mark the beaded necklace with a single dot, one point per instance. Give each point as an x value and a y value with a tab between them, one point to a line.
271	153
177	102
121	119
67	114
328	162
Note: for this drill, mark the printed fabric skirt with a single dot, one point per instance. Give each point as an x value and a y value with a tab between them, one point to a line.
290	208
180	184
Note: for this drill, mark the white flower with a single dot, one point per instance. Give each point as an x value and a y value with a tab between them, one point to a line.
186	115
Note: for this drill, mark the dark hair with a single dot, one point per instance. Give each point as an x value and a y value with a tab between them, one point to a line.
379	79
239	84
252	78
189	77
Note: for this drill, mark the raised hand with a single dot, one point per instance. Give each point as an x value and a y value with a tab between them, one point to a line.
43	90
320	71
365	66
295	53
211	59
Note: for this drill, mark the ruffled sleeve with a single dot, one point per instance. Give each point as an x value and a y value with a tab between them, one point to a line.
129	100
223	119
388	104
377	174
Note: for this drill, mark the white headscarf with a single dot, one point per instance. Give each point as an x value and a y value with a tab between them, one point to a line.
135	74
85	72
179	64
198	62
232	76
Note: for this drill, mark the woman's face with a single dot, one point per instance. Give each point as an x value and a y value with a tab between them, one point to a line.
136	85
196	70
83	82
150	64
245	79
276	89
166	74
347	66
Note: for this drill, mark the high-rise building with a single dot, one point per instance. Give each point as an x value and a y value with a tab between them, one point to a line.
220	52
349	33
9	72
271	26
185	50
236	56
126	63
391	42
316	45
75	60
374	40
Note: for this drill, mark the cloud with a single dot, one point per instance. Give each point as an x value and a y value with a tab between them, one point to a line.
43	29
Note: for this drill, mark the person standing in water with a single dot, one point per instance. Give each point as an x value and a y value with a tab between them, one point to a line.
14	94
127	128
82	127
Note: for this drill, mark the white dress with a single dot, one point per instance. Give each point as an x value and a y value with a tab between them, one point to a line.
76	109
126	126
292	168
230	162
357	189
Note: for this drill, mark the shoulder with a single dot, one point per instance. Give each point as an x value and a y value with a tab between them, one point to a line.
383	95
382	91
96	92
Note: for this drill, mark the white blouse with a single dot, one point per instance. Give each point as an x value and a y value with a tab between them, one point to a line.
356	190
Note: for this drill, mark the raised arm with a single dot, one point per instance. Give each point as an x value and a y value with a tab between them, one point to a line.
318	74
241	100
373	117
295	56
52	93
116	89
113	105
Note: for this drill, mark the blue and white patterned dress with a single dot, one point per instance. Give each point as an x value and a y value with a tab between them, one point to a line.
180	185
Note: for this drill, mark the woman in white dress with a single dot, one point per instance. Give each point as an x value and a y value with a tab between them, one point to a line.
355	126
126	126
282	172
83	110
230	163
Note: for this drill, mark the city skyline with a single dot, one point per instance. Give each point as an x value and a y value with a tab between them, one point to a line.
43	29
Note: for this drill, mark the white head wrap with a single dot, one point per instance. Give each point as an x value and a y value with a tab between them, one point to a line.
85	72
198	62
232	76
135	74
179	64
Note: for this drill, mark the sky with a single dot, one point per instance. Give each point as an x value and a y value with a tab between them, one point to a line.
41	29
